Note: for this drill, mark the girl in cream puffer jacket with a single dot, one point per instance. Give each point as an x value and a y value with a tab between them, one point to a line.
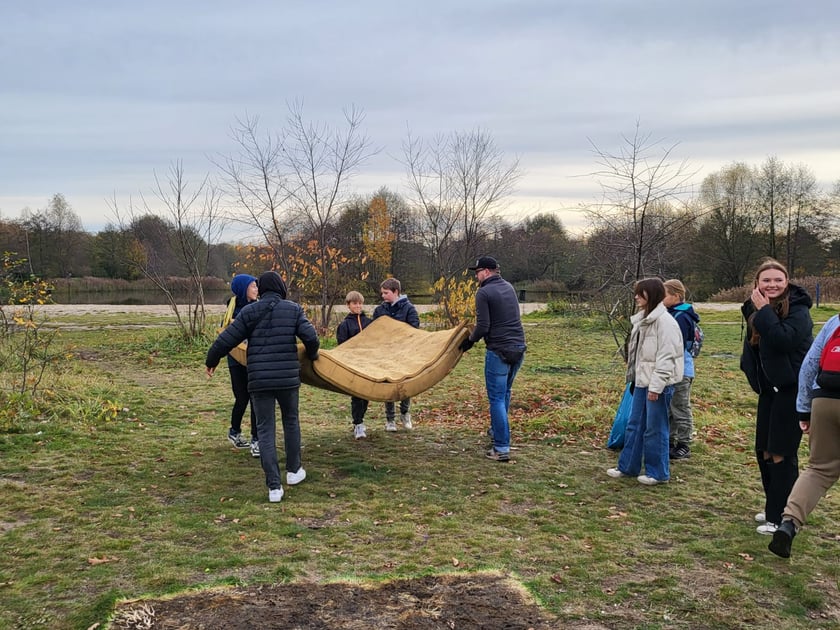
654	364
655	354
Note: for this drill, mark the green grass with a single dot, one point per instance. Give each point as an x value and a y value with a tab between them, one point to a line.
155	501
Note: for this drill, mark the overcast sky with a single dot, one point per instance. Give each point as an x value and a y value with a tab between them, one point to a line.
97	96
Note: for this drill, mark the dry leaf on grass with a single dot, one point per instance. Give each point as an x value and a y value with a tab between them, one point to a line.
94	561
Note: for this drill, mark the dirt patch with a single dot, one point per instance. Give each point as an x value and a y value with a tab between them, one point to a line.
485	600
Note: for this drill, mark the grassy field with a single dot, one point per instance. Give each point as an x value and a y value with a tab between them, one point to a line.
131	489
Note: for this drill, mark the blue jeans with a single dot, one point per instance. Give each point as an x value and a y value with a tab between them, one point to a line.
646	436
499	376
263	405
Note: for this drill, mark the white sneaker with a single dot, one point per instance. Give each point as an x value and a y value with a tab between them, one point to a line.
294	478
390	425
648	481
359	431
761	517
615	473
768	529
274	496
255	448
406	420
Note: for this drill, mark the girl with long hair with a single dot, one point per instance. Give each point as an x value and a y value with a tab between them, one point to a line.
779	334
654	366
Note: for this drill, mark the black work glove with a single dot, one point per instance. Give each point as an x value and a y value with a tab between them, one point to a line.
466	344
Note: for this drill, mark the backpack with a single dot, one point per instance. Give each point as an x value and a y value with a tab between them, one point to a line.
695	346
829	375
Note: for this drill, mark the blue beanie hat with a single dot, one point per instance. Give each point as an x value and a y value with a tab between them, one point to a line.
239	285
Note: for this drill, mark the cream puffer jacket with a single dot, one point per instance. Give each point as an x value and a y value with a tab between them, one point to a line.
655	351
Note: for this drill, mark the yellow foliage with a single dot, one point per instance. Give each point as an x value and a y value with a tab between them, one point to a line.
457	300
377	237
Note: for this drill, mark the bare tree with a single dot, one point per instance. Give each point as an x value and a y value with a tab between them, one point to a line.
732	230
772	182
643	188
320	161
643	205
195	223
808	213
55	238
457	181
255	181
292	186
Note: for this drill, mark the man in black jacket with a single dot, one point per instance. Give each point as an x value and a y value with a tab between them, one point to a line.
498	322
272	327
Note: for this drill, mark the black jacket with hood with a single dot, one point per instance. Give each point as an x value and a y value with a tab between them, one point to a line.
272	327
783	343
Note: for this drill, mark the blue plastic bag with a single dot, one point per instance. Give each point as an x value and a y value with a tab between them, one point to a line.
622	414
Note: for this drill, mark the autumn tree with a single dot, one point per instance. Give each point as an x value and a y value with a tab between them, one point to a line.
112	249
377	239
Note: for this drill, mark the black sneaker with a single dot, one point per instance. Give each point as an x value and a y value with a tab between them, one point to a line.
237	440
783	539
496	456
680	451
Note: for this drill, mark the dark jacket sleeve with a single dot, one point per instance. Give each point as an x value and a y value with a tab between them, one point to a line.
306	332
411	316
227	340
342	333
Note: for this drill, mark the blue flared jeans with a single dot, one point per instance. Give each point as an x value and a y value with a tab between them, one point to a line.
499	376
646	437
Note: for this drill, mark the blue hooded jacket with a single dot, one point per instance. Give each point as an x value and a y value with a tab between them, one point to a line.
687	319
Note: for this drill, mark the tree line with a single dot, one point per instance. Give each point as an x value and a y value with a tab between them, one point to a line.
291	187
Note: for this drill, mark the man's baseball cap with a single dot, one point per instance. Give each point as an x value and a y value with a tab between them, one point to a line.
485	262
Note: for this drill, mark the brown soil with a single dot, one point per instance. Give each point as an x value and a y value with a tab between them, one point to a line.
484	600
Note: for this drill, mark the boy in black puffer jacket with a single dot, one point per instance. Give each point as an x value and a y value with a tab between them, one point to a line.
272	327
396	306
352	325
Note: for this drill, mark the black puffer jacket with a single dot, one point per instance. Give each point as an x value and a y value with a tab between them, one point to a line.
402	310
351	326
272	327
783	343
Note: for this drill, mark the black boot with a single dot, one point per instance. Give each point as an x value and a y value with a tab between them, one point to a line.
782	475
783	539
